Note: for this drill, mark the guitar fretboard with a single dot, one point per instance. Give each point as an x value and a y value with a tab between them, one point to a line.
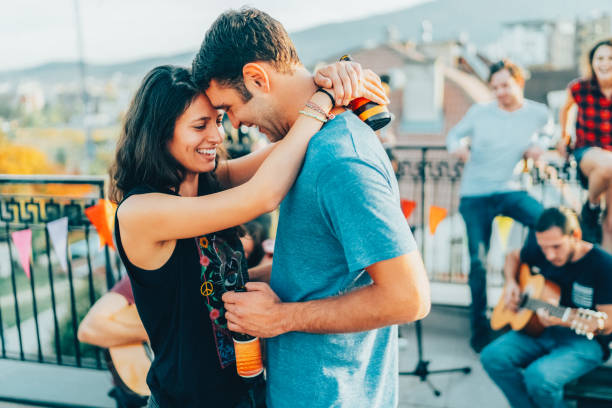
534	304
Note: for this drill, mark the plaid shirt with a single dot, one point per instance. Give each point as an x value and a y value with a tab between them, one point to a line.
594	121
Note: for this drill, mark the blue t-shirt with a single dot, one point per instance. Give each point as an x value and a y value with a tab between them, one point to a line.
342	215
498	141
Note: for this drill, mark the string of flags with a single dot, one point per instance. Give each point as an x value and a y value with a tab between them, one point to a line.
436	214
101	216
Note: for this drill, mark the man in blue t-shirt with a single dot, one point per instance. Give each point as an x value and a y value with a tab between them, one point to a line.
346	268
532	371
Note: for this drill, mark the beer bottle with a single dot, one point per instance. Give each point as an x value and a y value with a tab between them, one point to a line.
248	352
374	115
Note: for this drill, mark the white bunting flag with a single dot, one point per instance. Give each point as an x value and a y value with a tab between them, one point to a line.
58	233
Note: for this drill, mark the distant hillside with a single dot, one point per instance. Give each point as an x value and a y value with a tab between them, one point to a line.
481	19
66	71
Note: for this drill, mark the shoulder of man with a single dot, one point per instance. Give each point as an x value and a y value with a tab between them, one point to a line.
480	107
342	138
536	106
345	122
355	182
602	259
355	165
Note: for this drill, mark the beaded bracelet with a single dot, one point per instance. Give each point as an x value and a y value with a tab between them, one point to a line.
320	110
331	97
312	115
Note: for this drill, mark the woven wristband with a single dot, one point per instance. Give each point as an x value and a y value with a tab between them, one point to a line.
312	115
331	97
318	109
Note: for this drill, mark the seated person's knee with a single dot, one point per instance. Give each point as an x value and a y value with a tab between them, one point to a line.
539	384
494	360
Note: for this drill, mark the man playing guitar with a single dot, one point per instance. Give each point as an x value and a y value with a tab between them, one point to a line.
532	371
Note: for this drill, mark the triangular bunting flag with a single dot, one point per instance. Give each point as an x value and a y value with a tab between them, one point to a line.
99	215
111	209
408	207
58	234
504	225
436	215
23	243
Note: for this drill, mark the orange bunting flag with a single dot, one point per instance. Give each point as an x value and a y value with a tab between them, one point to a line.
408	207
101	216
436	215
23	242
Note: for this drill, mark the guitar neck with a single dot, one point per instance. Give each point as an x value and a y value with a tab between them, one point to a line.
535	304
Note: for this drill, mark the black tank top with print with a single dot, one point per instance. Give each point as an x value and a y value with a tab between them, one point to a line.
180	307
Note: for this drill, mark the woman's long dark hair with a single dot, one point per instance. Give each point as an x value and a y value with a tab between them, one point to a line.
142	157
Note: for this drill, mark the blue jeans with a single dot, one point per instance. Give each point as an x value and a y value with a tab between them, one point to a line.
578	155
478	213
531	371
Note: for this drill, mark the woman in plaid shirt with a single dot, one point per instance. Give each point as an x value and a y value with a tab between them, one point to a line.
593	143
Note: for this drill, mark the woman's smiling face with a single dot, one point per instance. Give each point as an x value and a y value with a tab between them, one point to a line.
197	134
602	63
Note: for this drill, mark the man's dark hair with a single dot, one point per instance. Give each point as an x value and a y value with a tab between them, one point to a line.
562	217
236	38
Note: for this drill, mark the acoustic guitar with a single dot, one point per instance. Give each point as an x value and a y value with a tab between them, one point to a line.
130	363
539	293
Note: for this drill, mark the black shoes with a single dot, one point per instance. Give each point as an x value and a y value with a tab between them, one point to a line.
590	223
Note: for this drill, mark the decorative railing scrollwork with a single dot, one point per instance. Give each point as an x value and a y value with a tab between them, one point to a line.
30	202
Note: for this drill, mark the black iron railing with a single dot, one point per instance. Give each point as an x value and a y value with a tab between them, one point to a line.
429	176
39	315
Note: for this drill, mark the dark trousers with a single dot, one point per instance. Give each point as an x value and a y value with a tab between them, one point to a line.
478	213
255	397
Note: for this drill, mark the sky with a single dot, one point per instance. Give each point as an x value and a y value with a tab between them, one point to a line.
33	32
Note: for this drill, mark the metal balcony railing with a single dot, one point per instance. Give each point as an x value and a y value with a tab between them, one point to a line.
429	176
39	316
